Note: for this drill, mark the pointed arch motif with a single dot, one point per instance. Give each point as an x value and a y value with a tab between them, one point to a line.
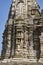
20	1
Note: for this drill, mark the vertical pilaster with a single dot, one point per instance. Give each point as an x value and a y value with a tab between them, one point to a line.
41	36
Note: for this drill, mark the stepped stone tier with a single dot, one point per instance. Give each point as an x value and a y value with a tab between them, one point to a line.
23	35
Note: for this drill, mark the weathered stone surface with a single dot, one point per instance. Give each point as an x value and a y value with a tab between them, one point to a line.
23	34
16	61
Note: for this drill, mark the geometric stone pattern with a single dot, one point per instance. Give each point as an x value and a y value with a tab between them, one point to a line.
23	34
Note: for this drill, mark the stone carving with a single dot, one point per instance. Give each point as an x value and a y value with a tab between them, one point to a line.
22	37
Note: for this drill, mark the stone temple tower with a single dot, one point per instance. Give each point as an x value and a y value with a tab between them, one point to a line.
22	34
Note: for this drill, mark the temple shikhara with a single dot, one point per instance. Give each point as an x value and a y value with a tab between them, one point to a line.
23	35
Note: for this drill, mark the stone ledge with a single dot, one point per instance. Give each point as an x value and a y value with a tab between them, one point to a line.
14	63
21	61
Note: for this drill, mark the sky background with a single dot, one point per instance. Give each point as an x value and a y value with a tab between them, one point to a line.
4	11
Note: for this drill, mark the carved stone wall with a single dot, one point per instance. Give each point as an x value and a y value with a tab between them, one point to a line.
23	34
